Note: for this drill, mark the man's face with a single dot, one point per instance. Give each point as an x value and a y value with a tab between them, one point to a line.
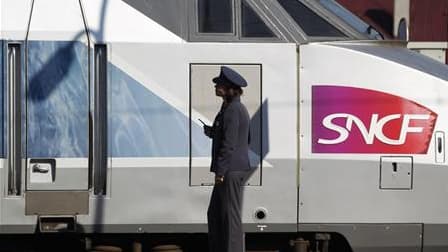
220	90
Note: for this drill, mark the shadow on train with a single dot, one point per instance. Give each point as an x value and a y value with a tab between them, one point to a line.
259	138
43	83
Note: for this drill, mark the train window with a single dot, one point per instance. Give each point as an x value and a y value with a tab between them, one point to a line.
351	19
252	25
215	16
204	105
311	23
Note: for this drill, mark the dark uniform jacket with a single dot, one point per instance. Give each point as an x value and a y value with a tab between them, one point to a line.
230	134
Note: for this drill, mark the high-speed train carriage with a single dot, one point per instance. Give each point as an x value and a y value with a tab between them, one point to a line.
100	130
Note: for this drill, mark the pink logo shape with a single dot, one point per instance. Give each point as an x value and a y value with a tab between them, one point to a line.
356	120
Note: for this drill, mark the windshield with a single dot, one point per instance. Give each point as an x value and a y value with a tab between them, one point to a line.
310	22
351	19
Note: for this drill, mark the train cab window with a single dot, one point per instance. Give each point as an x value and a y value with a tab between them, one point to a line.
252	25
204	106
311	23
215	16
350	18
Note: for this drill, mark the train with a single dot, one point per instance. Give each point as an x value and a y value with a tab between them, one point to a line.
100	108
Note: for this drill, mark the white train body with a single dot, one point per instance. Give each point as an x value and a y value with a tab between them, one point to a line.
100	104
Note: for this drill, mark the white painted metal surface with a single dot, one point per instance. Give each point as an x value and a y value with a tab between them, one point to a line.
434	50
344	187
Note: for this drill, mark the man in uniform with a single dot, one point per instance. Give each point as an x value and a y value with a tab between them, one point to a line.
230	163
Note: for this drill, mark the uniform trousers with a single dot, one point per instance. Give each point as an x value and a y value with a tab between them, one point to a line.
225	230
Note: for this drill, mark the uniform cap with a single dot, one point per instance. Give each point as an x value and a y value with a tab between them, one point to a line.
228	75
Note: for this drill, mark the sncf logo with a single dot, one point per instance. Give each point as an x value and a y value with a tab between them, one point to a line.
355	120
375	129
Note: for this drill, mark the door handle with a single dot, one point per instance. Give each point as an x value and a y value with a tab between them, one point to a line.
40	169
440	147
43	170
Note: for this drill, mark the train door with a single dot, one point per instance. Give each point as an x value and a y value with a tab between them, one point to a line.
57	115
56	111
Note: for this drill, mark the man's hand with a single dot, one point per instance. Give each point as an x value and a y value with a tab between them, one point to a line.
219	180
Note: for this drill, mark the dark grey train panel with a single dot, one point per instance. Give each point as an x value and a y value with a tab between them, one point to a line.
153	228
170	14
375	237
17	229
435	237
271	21
56	202
184	228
